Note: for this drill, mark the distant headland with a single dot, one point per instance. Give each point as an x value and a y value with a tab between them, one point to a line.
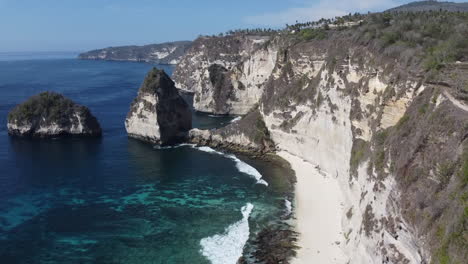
164	53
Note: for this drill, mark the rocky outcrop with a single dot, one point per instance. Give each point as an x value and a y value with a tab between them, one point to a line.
227	74
248	134
164	53
50	114
395	141
159	114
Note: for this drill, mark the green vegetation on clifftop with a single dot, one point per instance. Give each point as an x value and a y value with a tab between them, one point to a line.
48	105
430	38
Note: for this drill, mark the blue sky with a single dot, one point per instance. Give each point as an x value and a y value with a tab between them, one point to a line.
78	25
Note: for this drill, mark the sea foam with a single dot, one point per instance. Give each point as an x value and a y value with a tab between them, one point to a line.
240	165
236	119
288	206
227	248
173	147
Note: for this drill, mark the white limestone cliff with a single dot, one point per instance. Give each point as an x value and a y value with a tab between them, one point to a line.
249	61
159	114
144	121
316	108
323	136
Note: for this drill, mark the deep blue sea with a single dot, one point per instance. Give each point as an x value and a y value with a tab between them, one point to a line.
115	199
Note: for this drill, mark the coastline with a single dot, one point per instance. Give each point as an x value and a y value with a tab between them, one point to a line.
318	210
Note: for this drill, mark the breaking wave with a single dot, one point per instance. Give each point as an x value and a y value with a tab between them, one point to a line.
236	119
288	207
174	147
240	165
227	248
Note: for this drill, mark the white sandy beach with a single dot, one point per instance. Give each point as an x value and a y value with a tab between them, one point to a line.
318	212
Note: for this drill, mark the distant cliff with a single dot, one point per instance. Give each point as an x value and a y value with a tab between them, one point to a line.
431	5
164	53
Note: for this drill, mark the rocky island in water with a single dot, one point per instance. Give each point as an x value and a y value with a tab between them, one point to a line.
159	114
50	114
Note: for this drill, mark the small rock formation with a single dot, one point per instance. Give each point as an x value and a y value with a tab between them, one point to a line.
50	114
248	134
159	114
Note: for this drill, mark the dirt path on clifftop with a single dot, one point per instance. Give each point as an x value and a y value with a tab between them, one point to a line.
456	102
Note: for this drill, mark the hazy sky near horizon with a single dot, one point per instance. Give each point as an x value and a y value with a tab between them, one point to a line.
79	25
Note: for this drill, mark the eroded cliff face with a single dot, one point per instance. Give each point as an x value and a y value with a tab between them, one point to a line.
159	114
323	100
227	74
395	141
50	114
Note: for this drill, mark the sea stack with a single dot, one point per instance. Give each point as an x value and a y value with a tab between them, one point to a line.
50	114
159	114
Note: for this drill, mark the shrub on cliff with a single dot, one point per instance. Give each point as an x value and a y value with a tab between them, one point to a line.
51	106
434	37
313	33
428	38
50	114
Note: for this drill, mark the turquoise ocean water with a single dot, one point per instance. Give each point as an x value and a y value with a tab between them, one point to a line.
118	200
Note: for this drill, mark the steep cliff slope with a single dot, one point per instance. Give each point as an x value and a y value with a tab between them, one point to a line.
381	109
226	74
164	53
159	114
49	114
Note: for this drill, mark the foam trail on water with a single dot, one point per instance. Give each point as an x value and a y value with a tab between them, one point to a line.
209	150
174	147
227	248
288	206
247	169
216	116
236	119
240	165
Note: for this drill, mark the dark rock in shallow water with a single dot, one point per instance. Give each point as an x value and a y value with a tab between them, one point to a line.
159	114
273	245
50	114
249	135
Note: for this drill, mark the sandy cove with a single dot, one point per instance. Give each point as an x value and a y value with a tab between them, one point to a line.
319	210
